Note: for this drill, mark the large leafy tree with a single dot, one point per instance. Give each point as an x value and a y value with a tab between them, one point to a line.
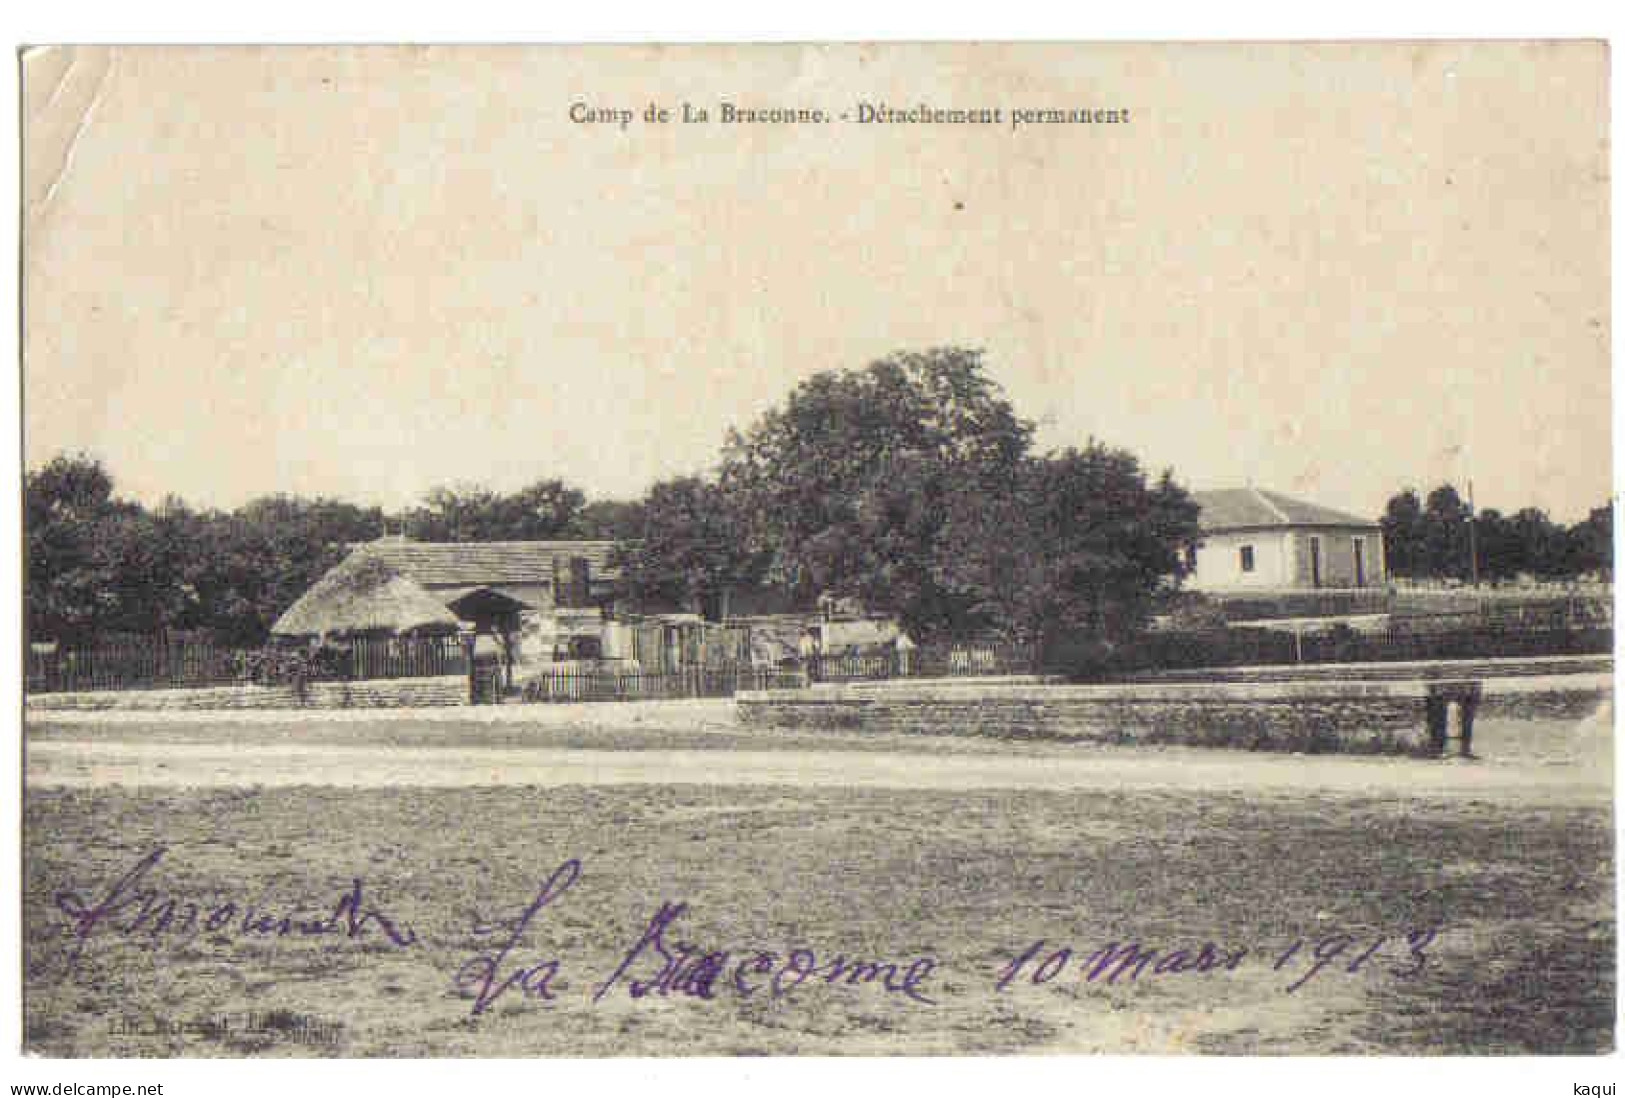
1081	544
844	488
72	565
96	563
910	485
690	550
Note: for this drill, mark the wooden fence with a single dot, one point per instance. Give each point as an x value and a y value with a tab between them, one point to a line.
404	658
1261	605
1471	606
147	663
1472	638
150	663
926	661
127	663
586	684
669	647
1258	647
594	684
1566	616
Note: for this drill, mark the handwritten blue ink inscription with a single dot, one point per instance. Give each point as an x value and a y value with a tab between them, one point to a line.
662	962
128	909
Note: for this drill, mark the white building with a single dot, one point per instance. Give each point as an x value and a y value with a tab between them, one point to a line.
1258	540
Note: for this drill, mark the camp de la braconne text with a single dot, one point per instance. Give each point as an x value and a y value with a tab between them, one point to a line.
586	113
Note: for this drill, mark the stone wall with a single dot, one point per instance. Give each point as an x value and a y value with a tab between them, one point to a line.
1320	717
365	694
1498	668
1574	703
1377	717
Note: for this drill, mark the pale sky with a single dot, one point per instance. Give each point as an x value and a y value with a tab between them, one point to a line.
1331	271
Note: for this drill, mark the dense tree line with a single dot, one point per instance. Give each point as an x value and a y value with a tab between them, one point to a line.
910	486
1437	538
98	564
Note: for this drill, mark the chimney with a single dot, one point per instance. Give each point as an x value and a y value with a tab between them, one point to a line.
571	581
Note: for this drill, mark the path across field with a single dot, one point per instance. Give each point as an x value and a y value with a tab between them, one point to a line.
1565	761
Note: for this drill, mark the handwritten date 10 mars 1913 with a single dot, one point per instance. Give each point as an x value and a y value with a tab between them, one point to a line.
661	963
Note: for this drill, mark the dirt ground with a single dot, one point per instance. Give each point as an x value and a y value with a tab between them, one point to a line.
1550	759
890	851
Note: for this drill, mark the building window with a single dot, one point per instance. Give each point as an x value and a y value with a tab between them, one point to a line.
1246	558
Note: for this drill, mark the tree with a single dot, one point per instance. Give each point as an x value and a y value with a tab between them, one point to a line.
545	510
98	564
68	486
1434	541
1081	545
609	520
691	549
1591	543
1500	552
252	564
1542	544
95	563
149	559
71	584
845	487
909	485
1404	535
1446	545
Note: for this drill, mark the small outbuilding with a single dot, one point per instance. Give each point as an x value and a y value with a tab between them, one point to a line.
1253	539
531	602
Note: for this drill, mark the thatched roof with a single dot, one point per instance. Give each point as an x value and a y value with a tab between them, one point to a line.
364	594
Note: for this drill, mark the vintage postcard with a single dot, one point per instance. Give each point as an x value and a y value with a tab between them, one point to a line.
809	550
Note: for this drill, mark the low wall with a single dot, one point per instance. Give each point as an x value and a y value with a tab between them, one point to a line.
1350	717
1555	698
1504	667
364	694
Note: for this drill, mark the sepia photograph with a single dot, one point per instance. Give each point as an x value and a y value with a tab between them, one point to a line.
817	550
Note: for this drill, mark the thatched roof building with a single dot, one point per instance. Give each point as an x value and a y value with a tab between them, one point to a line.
363	595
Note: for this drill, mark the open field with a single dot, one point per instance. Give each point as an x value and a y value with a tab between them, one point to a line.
1508	860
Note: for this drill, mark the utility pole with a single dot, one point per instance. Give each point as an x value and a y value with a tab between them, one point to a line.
1472	532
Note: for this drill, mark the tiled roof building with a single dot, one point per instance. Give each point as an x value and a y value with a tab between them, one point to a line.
1253	539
